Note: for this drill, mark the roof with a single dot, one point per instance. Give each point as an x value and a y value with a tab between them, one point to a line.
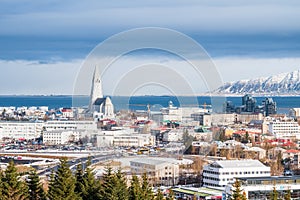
202	191
270	178
190	192
239	163
292	151
99	101
149	161
255	149
255	121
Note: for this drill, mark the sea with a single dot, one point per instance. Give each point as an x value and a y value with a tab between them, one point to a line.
135	103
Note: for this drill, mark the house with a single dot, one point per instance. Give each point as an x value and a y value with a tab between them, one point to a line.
259	153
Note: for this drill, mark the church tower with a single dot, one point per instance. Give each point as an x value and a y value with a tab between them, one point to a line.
96	91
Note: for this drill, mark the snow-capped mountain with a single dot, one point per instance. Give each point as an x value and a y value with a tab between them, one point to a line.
285	83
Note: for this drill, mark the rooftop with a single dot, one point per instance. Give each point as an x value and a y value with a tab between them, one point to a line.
149	161
238	163
269	178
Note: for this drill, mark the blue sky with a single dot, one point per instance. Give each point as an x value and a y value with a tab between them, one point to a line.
41	37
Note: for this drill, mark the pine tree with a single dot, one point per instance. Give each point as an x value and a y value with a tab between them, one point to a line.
107	190
237	192
287	195
135	189
36	191
1	183
274	194
51	186
159	195
121	186
79	184
114	186
90	184
12	187
63	185
147	193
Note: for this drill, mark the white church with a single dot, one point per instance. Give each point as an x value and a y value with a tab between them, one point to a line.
101	107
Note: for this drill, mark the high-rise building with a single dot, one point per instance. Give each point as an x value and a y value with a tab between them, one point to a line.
269	106
249	103
229	107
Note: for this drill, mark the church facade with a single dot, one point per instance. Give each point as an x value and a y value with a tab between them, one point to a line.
100	107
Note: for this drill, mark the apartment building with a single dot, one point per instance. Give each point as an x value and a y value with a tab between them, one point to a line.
159	171
284	129
20	130
219	173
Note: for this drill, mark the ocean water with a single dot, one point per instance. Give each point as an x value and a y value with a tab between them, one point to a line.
284	103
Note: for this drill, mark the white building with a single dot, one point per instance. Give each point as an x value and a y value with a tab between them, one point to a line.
70	125
136	140
284	129
55	137
173	113
220	173
260	188
31	130
294	112
20	130
159	171
124	138
174	135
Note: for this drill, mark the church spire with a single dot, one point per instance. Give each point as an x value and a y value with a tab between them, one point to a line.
96	91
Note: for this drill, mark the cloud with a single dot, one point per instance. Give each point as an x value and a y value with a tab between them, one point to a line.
235	68
82	19
33	77
66	30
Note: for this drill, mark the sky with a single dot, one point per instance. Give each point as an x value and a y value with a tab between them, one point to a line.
43	44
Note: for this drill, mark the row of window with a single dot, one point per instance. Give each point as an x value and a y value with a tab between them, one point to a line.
236	173
210	178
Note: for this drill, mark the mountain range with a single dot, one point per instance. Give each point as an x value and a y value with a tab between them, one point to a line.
281	84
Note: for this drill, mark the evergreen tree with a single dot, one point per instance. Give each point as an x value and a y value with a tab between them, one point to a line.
36	191
12	187
90	184
107	191
274	194
1	183
287	195
147	193
114	186
237	192
51	185
159	195
135	189
63	185
121	186
79	184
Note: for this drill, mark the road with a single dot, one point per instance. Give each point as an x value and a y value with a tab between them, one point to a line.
74	162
